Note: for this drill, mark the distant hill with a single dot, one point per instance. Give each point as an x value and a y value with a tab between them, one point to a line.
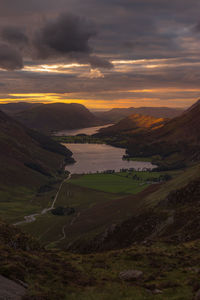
134	123
116	114
28	159
177	135
16	107
57	116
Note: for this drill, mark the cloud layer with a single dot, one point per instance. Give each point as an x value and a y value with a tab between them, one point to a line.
70	47
66	36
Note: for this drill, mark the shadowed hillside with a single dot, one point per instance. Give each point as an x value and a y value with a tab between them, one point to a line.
180	136
28	159
174	219
57	116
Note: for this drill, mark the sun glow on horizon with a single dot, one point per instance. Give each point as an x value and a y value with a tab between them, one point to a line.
152	98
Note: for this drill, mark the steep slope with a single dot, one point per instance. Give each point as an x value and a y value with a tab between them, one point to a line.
41	274
116	114
57	116
171	213
167	270
183	128
133	124
27	158
179	135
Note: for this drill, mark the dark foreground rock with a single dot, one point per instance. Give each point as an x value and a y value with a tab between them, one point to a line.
130	275
10	290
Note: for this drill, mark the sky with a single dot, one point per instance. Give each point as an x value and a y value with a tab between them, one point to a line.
100	53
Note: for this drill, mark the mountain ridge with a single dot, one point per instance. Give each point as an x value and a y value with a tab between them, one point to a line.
116	114
57	116
134	123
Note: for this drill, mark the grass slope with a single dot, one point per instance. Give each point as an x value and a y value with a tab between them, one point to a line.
134	123
97	210
48	228
51	275
28	160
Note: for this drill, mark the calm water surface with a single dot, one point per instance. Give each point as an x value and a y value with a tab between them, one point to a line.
88	131
100	157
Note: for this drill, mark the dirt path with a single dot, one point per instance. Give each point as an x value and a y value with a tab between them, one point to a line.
32	218
63	228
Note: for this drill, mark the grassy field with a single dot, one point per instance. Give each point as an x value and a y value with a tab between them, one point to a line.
118	183
20	205
101	200
48	228
110	183
17	202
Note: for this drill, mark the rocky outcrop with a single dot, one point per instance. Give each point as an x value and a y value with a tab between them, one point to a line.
10	289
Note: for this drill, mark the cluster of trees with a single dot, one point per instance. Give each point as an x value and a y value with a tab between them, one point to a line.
63	211
135	170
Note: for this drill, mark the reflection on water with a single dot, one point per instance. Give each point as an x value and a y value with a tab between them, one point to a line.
100	157
88	131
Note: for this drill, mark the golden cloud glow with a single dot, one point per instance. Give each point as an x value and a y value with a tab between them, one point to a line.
58	68
152	98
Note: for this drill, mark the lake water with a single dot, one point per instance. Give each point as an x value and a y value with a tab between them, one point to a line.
100	157
88	131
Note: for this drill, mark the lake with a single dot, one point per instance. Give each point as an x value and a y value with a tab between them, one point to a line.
88	131
100	157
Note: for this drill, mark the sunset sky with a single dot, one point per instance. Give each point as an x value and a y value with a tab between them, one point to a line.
100	53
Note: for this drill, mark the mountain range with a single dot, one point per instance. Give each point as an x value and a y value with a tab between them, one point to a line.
51	117
116	114
16	107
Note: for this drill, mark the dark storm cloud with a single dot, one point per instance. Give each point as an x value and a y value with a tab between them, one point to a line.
94	61
66	34
10	58
14	36
63	37
196	27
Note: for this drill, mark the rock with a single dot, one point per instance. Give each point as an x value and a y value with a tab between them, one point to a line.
156	292
197	296
129	275
10	290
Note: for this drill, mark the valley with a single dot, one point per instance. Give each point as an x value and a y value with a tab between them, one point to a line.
99	150
105	199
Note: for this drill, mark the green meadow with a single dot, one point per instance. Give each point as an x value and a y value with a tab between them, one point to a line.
100	200
110	183
119	183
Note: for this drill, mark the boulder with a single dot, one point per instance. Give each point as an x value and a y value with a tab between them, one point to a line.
156	292
129	275
197	296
